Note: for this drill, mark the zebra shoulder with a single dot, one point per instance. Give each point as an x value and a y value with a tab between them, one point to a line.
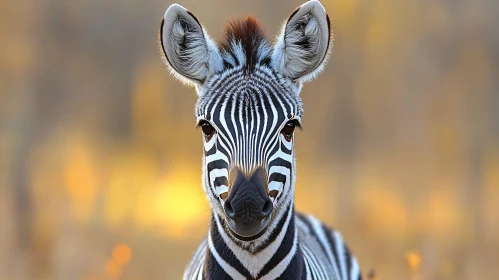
332	244
194	269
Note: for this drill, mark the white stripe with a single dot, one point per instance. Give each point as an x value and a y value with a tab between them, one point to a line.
288	145
254	263
340	249
307	267
265	122
215	173
272	127
208	145
313	269
224	265
275	186
216	156
279	169
200	272
281	267
196	262
314	263
303	227
283	155
355	272
317	227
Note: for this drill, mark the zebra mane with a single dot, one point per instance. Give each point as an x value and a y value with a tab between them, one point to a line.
245	44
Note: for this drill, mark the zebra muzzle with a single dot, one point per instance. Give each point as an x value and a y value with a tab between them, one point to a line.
248	208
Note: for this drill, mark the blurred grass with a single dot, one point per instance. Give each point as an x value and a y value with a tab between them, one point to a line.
100	161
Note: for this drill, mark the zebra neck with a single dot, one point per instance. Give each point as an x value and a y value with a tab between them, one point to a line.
277	254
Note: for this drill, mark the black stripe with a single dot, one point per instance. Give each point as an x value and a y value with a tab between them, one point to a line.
212	270
284	248
348	258
276	231
223	250
296	267
220	181
312	231
277	177
285	150
272	147
332	244
217	164
212	151
314	263
280	162
307	269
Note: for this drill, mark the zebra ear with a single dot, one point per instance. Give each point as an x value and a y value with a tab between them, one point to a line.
301	50
189	53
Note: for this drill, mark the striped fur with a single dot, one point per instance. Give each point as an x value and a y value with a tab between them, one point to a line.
248	93
306	249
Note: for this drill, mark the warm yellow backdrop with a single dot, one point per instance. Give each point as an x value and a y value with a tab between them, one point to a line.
100	162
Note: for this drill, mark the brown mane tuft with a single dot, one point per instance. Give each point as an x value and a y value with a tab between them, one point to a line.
250	35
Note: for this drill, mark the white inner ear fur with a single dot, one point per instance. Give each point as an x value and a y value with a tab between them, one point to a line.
190	54
301	50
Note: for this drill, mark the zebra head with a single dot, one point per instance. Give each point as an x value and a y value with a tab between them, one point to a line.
248	107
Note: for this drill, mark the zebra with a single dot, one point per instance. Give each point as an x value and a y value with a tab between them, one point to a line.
248	108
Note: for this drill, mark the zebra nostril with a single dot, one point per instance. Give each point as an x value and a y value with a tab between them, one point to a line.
229	211
267	208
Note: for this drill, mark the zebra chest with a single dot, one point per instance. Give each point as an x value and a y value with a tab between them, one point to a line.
310	262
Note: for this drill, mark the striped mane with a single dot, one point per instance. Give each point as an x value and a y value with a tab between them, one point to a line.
245	44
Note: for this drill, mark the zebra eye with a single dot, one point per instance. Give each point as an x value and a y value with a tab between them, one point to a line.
207	128
289	128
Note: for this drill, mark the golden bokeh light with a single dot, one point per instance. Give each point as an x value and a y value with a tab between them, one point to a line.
180	201
122	254
80	180
100	172
413	260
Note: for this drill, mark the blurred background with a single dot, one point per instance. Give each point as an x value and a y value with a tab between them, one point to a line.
100	162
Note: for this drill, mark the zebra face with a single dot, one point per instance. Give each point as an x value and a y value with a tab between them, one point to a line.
248	122
248	107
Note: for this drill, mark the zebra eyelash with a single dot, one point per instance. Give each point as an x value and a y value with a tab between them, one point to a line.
208	129
296	122
201	123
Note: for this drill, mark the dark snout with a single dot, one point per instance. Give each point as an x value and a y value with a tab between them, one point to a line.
248	206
